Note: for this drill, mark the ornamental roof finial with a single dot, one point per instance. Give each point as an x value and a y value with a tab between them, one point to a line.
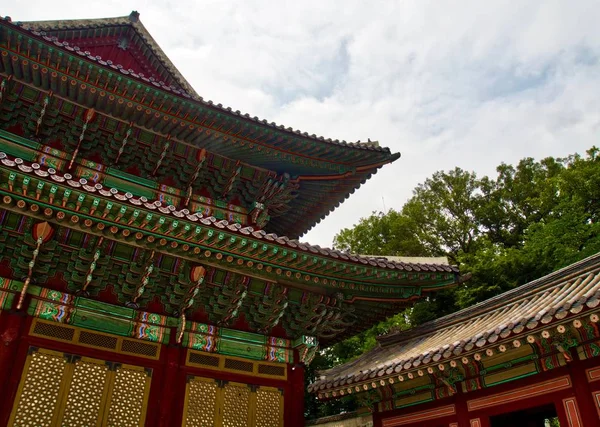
134	16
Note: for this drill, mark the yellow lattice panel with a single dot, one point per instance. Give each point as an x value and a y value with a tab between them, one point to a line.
87	394
236	365
40	388
94	339
129	397
236	405
269	407
200	402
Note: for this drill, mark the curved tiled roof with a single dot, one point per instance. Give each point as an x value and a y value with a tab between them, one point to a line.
552	298
40	29
329	171
170	210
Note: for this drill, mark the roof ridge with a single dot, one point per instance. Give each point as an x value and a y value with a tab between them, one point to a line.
58	23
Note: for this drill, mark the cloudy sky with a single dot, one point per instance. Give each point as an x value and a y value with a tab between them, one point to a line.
446	83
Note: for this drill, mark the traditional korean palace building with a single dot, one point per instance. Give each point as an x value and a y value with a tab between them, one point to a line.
516	360
145	276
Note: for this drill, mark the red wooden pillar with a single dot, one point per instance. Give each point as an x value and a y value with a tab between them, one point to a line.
11	330
462	411
168	383
563	418
583	393
577	408
479	421
377	420
294	402
13	352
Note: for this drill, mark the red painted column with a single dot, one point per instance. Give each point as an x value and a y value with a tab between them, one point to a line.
583	392
462	411
168	383
479	421
376	418
294	402
561	413
13	352
10	333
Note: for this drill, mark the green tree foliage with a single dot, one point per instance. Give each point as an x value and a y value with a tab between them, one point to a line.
340	353
379	234
530	219
313	408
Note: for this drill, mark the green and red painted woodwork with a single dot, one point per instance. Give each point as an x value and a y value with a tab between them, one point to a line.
95	315
169	373
6	297
133	213
570	395
50	93
553	349
120	231
310	149
162	157
142	182
541	367
111	177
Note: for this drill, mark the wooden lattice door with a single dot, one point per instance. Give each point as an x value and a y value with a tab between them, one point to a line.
268	409
235	406
213	403
200	406
58	389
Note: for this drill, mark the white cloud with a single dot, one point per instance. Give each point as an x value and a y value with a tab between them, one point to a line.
455	83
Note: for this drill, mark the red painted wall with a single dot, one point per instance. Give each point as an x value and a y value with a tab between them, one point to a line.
581	390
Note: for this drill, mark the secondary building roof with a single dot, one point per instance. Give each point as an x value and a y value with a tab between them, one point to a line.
553	298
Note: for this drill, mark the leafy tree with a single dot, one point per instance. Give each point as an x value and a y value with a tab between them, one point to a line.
313	408
443	208
341	353
530	219
392	233
517	198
